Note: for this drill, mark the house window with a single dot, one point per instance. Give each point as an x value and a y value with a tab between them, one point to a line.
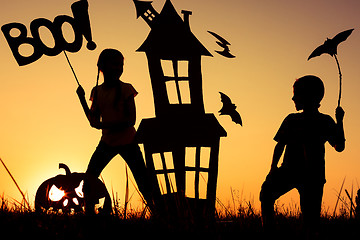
178	92
152	15
183	68
205	157
167	183
149	15
163	160
177	81
164	168
196	171
196	166
191	190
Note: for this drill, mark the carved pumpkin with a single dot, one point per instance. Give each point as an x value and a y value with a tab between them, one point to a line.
65	193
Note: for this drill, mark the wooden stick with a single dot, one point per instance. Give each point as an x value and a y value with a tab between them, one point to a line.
340	79
72	69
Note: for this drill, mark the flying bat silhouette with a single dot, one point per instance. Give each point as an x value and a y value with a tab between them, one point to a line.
330	45
224	44
229	108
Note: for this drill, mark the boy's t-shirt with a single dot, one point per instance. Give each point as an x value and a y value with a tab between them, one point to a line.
110	103
305	136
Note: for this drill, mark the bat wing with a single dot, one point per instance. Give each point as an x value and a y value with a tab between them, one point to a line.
224	44
235	117
221	39
225	53
330	45
229	109
319	50
225	100
340	37
221	44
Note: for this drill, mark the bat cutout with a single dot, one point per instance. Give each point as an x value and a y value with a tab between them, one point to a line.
229	108
330	47
224	44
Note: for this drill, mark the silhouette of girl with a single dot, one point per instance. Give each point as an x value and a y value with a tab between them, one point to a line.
113	111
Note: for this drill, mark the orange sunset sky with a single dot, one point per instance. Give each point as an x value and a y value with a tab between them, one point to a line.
42	123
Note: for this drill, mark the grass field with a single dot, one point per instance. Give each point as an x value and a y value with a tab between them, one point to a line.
238	221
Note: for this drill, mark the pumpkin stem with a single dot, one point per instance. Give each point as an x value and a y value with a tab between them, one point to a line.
67	169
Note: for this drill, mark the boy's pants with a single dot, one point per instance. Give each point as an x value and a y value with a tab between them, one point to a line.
281	181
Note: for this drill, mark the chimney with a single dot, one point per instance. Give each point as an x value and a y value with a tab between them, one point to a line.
186	17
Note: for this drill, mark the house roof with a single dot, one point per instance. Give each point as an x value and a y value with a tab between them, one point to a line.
167	133
170	37
142	7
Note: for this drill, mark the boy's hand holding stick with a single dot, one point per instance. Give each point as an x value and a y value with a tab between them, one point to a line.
339	114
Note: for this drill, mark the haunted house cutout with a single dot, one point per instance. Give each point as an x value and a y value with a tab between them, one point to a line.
181	124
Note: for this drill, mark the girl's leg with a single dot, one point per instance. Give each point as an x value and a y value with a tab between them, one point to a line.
133	157
100	158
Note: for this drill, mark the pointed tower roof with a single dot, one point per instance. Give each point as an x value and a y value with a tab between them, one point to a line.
170	37
141	7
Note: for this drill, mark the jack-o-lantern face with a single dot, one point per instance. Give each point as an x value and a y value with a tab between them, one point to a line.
65	193
73	199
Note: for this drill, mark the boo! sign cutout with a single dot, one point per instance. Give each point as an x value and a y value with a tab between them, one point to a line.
80	24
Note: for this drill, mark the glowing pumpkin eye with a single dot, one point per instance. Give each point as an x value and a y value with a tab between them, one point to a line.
56	194
79	189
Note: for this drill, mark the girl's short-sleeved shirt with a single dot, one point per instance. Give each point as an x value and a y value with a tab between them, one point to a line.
110	103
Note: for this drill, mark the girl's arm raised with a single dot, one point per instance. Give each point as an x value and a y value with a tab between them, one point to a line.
91	115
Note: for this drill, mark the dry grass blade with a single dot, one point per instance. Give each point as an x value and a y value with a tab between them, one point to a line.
339	196
126	191
21	192
352	205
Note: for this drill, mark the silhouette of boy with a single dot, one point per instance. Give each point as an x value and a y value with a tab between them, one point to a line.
304	135
113	111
